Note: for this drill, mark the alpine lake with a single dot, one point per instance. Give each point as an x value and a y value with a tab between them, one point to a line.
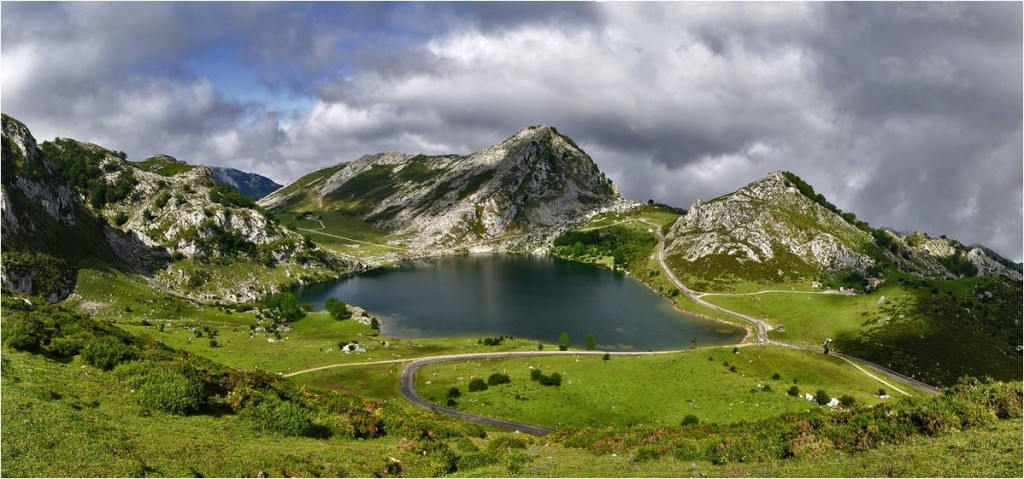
520	296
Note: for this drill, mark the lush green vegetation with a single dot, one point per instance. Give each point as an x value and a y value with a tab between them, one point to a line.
966	406
935	331
223	195
652	390
79	164
163	166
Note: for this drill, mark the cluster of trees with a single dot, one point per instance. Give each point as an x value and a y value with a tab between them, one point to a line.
626	246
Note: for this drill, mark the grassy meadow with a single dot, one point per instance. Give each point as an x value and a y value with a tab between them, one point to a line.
651	390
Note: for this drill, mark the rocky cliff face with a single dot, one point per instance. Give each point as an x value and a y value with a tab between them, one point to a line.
768	223
530	184
67	203
777	228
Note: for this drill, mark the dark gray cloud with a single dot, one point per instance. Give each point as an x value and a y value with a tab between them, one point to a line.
907	114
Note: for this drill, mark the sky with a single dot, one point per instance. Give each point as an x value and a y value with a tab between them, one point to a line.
906	114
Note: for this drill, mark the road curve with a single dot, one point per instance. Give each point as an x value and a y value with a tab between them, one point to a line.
407	382
763	327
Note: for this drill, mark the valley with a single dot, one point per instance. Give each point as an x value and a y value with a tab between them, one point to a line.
457	268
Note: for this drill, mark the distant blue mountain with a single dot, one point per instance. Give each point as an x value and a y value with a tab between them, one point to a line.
249	184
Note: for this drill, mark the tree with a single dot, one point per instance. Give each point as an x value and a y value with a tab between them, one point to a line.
540	347
563	342
337	308
284	306
374	324
590	342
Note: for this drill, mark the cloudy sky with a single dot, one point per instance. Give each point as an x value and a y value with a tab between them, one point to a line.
908	115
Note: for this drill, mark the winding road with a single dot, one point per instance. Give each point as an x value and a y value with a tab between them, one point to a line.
408	375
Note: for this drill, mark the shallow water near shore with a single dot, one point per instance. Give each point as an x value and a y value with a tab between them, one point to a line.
521	296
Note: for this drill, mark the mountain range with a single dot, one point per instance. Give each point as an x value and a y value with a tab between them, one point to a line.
67	203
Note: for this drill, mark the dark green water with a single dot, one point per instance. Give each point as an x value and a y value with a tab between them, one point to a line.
522	297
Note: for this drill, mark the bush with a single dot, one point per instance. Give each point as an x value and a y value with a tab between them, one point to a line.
822	397
279	416
766	388
106	352
454	393
847	401
498	378
881	392
337	309
451	403
535	374
23	334
477	384
171	392
554	379
776	377
64	347
690	420
793	391
506	442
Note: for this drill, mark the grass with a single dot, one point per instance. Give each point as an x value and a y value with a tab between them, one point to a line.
935	331
650	390
810	318
346	225
994	451
163	166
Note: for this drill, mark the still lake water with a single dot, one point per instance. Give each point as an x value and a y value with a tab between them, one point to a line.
521	296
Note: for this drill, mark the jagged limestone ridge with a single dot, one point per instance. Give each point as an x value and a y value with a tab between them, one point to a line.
535	181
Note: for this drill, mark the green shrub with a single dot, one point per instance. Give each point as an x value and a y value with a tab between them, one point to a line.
23	333
279	416
847	401
793	391
338	310
454	392
171	392
64	347
822	397
106	352
554	379
477	384
690	420
498	378
502	443
474	460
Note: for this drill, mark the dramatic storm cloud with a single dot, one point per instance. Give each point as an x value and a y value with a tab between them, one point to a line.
907	114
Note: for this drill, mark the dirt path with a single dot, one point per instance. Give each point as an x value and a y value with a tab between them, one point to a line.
775	291
350	239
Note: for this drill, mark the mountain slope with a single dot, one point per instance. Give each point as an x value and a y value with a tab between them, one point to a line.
48	233
249	184
67	204
530	184
778	229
